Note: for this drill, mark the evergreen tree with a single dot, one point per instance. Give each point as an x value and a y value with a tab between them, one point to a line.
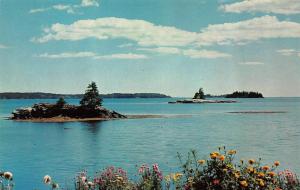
199	94
91	99
60	102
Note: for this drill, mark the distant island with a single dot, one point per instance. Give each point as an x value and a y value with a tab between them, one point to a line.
42	95
90	108
199	98
244	94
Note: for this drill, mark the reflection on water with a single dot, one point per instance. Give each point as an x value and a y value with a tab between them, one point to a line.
62	149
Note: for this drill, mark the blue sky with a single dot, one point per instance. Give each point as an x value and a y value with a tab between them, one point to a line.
166	46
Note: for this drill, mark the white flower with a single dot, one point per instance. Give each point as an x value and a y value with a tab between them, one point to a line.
8	175
47	179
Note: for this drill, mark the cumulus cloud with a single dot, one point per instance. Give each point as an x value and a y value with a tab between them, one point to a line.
148	34
89	3
192	53
68	8
163	50
140	31
92	55
204	54
251	63
285	7
266	27
122	56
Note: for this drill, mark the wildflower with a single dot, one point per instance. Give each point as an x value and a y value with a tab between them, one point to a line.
201	162
237	175
221	157
8	175
225	170
260	174
216	181
213	155
250	169
244	183
261	182
90	184
231	152
266	168
47	179
167	178
251	161
276	163
271	174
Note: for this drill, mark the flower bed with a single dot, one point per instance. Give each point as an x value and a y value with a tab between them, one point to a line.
219	172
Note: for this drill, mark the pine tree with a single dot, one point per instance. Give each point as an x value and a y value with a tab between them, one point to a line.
60	102
91	99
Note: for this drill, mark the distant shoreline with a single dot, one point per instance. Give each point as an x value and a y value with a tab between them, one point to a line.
42	95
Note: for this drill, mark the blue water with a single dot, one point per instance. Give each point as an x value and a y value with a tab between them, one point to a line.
32	150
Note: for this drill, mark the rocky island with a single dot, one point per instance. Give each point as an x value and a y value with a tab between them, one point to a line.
199	98
90	109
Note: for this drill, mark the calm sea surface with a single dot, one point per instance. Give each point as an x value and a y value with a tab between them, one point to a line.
32	150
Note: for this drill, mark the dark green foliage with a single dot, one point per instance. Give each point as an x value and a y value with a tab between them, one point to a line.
91	99
244	94
60	102
199	94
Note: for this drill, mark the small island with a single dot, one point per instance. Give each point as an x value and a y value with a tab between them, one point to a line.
244	94
90	109
199	98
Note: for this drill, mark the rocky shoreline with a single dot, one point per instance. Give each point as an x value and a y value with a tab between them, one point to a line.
51	112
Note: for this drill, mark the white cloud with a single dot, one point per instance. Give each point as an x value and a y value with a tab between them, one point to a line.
140	31
122	56
192	53
266	27
68	8
68	55
288	52
71	9
92	55
148	34
204	54
163	50
125	45
38	10
251	63
285	7
88	3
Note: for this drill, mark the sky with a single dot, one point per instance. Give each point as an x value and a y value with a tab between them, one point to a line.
163	46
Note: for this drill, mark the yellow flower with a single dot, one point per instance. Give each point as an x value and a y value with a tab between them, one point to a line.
244	183
231	152
213	156
272	174
261	182
236	175
167	178
216	153
266	168
250	169
221	157
260	174
201	162
276	163
251	161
